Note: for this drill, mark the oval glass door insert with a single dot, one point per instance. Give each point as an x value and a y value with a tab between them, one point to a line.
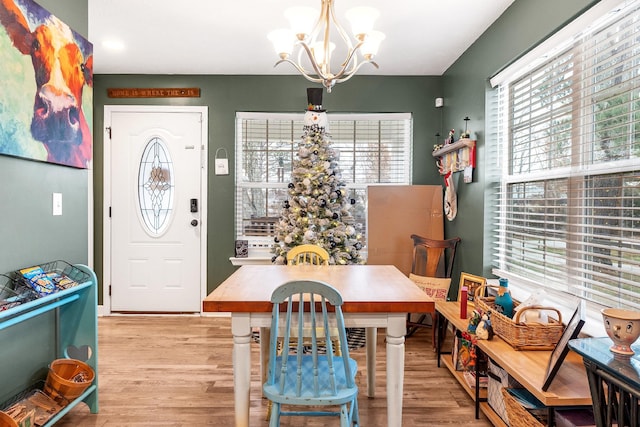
156	187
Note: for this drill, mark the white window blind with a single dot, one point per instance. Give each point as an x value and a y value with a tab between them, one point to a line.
568	200
374	149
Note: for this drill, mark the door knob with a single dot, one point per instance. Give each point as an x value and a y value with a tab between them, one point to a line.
194	222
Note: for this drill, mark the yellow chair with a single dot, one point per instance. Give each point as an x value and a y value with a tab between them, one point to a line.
307	254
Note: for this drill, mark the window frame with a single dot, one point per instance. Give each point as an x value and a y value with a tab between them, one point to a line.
582	169
260	246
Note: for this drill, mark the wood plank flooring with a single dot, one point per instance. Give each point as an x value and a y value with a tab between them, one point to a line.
177	371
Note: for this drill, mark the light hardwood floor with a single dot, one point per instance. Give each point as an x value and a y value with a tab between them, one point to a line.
177	371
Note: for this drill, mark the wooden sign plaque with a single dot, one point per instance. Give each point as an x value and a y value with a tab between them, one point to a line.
154	92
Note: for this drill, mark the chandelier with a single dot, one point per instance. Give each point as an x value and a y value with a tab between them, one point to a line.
311	34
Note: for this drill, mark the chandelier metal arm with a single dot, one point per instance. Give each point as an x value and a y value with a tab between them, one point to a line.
327	10
301	70
353	73
314	64
345	37
329	76
345	64
327	13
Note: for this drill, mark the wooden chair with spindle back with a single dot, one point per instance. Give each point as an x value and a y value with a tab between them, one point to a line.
307	254
431	270
300	375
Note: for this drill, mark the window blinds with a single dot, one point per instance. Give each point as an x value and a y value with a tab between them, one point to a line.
568	210
374	149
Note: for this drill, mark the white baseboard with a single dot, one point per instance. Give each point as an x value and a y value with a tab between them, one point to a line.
103	312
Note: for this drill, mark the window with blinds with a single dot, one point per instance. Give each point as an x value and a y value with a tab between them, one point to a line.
568	210
373	149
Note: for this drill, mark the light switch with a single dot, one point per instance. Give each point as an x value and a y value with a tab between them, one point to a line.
57	204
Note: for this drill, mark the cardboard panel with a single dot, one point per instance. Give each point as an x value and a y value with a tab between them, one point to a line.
397	212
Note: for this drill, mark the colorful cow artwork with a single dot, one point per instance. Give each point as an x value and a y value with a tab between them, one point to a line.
46	77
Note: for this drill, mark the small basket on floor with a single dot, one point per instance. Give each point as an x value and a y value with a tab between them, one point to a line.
518	416
68	379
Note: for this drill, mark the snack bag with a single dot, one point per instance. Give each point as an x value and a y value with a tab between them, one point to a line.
61	281
38	280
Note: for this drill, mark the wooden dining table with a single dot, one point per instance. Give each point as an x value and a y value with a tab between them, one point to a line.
375	296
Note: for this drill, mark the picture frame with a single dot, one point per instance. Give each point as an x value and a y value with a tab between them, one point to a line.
472	283
242	248
561	349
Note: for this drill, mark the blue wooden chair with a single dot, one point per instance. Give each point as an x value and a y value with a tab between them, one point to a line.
304	377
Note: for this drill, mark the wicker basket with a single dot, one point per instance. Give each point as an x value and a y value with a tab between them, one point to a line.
521	336
517	415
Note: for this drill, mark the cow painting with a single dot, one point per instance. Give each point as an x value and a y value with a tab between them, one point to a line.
46	76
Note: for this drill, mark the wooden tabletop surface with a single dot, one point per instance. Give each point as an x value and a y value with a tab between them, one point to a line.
364	288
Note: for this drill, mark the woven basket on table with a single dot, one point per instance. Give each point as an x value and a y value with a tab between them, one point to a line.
517	415
521	336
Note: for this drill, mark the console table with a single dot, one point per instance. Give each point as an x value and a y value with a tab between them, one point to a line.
569	387
614	381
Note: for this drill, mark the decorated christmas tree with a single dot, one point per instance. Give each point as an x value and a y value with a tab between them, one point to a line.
318	209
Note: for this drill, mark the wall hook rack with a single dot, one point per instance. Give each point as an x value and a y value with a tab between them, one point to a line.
456	156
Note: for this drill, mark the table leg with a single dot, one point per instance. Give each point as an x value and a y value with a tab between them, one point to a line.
371	338
241	330
265	339
438	319
396	330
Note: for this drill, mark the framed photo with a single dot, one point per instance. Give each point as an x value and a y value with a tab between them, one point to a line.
561	349
472	283
242	248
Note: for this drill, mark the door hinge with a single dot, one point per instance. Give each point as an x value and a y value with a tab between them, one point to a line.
109	290
109	211
108	130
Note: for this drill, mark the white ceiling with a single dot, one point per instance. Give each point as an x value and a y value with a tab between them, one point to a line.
423	37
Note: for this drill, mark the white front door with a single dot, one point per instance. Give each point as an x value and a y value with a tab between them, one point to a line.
156	184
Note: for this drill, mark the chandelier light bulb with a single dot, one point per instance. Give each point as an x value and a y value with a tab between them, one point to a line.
319	53
302	20
362	19
371	44
283	41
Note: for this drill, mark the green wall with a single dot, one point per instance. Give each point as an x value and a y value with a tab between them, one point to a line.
523	25
74	13
30	234
225	95
34	235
